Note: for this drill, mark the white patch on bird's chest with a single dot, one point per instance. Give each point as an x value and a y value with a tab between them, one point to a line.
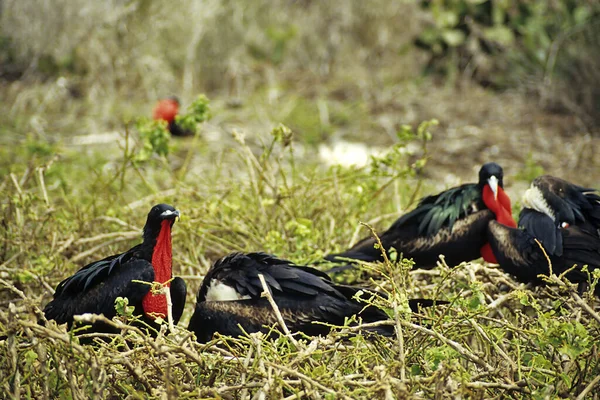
218	291
534	199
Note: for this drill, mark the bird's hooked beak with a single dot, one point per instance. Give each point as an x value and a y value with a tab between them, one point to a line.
493	182
170	214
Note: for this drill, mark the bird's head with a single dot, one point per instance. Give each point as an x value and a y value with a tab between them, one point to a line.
555	197
161	215
491	174
492	192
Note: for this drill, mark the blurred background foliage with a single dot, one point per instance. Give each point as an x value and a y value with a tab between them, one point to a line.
75	66
549	47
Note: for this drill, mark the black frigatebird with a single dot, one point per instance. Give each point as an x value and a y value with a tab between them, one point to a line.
95	287
229	301
453	223
565	219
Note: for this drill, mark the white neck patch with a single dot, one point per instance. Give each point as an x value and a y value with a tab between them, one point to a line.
534	199
218	291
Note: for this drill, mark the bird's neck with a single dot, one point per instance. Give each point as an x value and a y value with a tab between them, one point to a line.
162	255
499	205
162	259
501	208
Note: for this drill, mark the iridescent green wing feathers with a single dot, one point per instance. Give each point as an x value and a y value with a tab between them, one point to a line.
442	210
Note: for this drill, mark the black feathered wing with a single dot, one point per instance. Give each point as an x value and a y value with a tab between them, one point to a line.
442	210
585	206
543	228
94	273
429	230
240	271
304	296
517	252
580	248
99	295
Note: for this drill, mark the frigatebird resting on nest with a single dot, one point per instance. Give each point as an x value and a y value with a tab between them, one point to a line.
229	301
95	287
453	223
166	110
565	220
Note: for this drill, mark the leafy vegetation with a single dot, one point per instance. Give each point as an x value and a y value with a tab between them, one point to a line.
494	339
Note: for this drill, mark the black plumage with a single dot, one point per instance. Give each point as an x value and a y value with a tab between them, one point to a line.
95	287
453	223
229	301
565	220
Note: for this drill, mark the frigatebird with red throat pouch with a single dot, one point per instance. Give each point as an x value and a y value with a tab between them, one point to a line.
167	110
96	286
453	223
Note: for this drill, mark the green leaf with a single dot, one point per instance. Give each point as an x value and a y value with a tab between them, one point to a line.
30	357
581	14
155	139
416	370
474	302
197	113
499	34
453	37
430	36
446	19
123	308
393	254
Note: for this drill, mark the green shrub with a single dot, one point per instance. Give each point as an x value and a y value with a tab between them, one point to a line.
546	47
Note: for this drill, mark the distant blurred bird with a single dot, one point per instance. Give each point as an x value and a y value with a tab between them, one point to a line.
166	110
229	301
95	287
565	219
453	223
